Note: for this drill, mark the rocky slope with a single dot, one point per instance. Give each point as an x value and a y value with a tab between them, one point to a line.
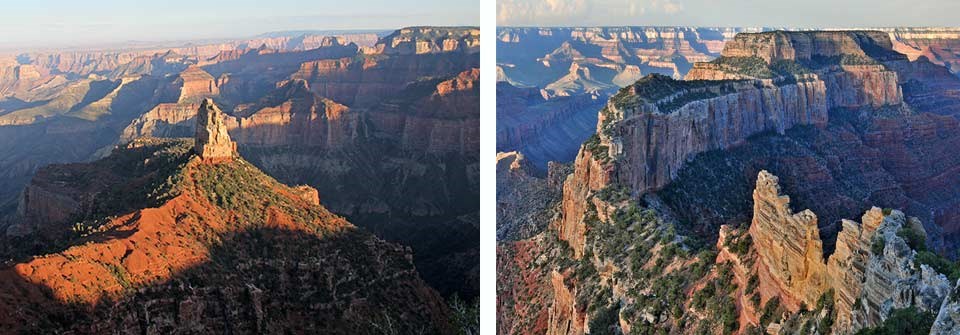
867	281
636	276
526	200
158	244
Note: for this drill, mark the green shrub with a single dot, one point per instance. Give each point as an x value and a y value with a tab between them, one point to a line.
770	311
743	244
938	263
598	151
825	303
907	321
752	283
915	239
877	245
755	299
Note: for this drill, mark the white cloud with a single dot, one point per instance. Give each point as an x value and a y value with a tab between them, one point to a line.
672	7
539	12
580	12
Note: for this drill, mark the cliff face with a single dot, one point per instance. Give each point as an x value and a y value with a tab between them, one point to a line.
789	245
798	46
194	84
650	145
939	45
589	175
383	72
656	125
212	142
948	319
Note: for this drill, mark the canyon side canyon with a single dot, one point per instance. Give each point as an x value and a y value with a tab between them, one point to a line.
786	182
111	222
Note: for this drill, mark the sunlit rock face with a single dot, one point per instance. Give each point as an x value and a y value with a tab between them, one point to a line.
866	285
788	243
212	140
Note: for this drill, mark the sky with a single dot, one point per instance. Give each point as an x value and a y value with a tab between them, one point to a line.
62	23
730	13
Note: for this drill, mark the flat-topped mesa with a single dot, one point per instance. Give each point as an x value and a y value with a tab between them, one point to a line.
811	45
654	126
428	40
213	143
851	64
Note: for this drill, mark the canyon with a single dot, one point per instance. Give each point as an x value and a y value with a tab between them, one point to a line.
183	235
596	62
380	128
670	220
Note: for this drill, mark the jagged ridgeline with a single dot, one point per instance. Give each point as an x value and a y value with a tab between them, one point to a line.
184	236
676	219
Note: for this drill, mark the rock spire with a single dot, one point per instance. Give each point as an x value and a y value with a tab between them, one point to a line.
213	144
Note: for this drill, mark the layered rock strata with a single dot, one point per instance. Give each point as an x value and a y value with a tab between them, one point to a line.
544	128
575	60
867	285
212	140
650	140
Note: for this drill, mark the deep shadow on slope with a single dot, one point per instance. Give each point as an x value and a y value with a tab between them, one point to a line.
263	280
229	251
428	202
838	172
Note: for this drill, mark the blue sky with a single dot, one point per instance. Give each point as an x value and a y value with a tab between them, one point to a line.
779	13
52	23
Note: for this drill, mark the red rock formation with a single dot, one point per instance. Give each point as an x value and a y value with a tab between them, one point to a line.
565	316
651	145
295	116
140	260
589	175
194	84
364	81
791	261
212	142
939	45
789	245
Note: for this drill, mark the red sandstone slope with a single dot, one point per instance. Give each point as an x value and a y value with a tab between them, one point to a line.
221	235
